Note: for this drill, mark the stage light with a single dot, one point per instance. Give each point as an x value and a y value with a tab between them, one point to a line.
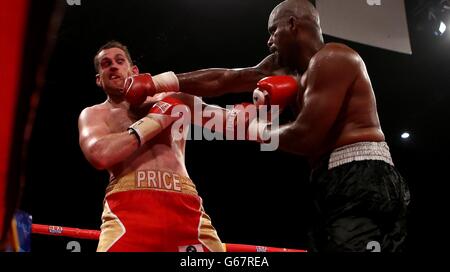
442	28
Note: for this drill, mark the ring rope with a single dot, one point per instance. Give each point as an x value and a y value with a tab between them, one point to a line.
95	234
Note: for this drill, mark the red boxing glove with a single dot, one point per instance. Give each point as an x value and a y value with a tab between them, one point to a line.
275	90
138	87
160	117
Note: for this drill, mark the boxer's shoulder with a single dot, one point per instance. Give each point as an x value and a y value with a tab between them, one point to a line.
336	52
91	110
337	48
334	59
94	112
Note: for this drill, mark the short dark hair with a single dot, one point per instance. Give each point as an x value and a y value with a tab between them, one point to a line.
108	45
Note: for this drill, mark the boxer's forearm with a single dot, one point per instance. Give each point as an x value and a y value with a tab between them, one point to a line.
293	139
110	150
210	114
217	81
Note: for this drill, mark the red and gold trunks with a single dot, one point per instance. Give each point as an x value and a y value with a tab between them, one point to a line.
153	210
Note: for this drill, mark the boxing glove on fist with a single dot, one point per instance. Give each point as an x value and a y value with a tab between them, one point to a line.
275	90
138	87
160	116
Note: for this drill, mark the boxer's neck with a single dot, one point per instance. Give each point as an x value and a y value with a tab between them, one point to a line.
117	102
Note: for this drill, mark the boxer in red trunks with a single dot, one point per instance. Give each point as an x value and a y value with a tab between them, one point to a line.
150	203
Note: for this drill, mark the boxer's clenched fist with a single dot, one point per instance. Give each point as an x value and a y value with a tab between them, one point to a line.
161	116
275	90
138	87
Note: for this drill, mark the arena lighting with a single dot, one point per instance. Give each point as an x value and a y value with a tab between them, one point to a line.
438	15
442	28
433	15
439	27
405	135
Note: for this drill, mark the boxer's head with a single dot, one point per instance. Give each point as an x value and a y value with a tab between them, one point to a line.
113	65
295	33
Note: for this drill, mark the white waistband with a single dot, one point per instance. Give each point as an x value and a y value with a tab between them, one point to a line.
360	152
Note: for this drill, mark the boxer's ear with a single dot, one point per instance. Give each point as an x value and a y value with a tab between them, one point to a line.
292	22
98	80
135	70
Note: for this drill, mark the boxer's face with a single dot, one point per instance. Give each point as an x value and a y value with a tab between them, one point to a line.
114	68
294	33
281	41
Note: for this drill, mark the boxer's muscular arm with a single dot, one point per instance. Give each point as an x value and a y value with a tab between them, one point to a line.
195	102
238	122
330	74
102	148
209	112
217	81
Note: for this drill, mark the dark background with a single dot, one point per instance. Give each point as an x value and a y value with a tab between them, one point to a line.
253	197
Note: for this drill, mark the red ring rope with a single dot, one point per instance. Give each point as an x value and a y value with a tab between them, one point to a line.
65	231
95	234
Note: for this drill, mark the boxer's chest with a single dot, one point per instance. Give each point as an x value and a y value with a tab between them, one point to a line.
120	119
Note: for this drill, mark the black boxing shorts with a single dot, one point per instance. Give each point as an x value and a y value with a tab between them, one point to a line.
360	199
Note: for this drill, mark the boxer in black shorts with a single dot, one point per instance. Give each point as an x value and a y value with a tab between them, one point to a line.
361	197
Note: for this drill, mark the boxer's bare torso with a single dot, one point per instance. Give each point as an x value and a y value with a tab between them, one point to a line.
350	108
161	153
